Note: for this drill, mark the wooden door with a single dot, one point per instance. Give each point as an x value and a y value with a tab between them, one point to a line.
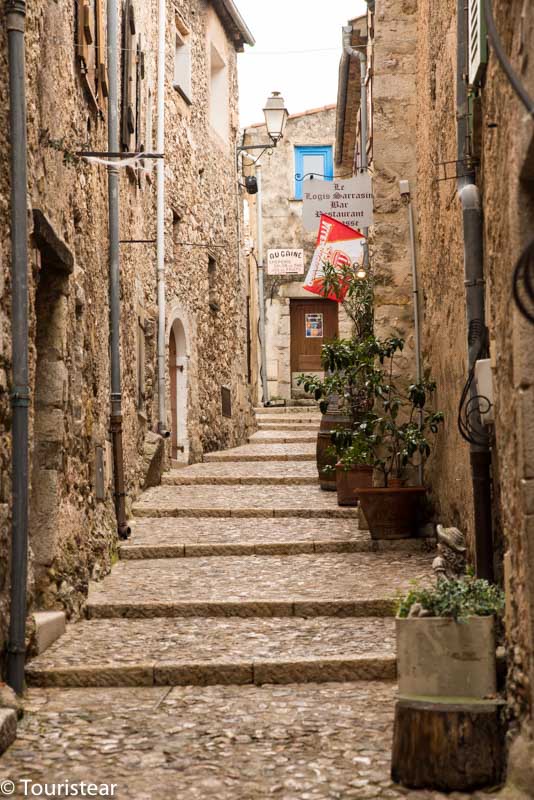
313	322
173	382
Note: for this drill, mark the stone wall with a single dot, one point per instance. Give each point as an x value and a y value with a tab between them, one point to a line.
72	526
441	266
505	148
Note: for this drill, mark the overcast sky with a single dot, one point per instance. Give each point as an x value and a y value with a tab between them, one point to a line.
280	28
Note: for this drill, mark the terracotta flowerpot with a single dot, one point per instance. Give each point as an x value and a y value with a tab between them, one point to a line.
349	481
391	512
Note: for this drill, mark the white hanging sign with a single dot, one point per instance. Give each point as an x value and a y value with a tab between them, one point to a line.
285	262
349	201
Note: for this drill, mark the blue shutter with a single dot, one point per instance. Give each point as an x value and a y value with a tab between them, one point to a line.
321	155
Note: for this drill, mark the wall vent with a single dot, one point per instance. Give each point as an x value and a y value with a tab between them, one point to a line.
226	398
478	44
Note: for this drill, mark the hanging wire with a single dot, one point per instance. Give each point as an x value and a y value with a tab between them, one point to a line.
504	61
473	406
523	283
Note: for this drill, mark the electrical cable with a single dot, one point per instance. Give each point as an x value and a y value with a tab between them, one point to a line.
504	61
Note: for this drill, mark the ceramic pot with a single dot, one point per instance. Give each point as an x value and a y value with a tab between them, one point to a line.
391	512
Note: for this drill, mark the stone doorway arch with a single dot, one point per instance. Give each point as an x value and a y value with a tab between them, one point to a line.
179	380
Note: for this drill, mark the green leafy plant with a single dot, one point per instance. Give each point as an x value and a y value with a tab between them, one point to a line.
457	599
351	373
357	295
402	426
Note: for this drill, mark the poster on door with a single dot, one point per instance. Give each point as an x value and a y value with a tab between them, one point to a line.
314	326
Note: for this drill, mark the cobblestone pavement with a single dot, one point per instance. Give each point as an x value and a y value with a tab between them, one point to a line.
256	473
302	451
171	537
309	742
243	648
248	501
181	651
346	584
278	437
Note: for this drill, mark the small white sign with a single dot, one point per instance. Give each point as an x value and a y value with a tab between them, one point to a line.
285	262
349	201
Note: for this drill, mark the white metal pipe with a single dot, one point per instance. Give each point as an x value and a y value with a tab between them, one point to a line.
261	290
160	223
416	316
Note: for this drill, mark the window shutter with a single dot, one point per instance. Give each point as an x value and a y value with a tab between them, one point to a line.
83	9
129	76
478	46
101	72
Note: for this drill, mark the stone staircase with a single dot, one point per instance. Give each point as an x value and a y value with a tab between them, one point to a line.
240	570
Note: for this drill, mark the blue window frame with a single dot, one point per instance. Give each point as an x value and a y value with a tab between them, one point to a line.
317	159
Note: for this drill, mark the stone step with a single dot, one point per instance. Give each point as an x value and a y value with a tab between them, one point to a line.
265	452
188	538
284	473
283	437
340	585
241	501
199	651
302	407
297	419
223	742
289	426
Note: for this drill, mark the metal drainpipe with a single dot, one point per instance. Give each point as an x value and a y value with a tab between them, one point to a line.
114	273
364	164
261	287
469	195
160	234
20	391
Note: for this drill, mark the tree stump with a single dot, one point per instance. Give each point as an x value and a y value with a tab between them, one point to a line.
448	746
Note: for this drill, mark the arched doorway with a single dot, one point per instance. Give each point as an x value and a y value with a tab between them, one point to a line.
178	382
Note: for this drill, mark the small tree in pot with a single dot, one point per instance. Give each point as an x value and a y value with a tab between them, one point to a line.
354	463
401	428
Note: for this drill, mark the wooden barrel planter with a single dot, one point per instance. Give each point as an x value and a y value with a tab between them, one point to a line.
333	418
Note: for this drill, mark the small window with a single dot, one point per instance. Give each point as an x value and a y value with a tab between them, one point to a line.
141	358
213	294
149	132
133	73
182	62
219	96
316	161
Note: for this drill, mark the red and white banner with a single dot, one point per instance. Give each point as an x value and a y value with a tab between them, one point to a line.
338	245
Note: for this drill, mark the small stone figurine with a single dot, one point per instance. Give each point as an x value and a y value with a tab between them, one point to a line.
451	560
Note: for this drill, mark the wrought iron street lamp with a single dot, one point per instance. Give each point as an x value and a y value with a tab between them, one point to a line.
276	115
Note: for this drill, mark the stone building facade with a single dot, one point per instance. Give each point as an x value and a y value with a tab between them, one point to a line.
72	525
307	145
417	112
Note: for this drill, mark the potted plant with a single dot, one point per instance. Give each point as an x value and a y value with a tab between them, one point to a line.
448	722
346	394
401	428
446	639
341	394
354	463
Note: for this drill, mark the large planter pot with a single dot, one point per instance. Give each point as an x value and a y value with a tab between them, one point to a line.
391	512
350	481
439	657
333	419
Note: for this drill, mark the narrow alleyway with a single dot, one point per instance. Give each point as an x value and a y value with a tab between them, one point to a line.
243	646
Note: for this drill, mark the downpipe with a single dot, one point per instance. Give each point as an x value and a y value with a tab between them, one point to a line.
160	223
20	390
469	195
261	288
114	276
